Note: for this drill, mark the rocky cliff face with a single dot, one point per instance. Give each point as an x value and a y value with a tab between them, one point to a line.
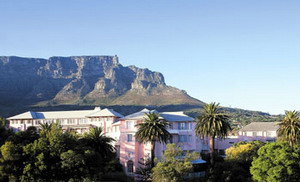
83	80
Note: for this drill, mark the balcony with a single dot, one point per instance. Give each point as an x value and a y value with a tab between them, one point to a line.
173	131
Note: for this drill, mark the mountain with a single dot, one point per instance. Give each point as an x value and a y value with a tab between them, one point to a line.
82	81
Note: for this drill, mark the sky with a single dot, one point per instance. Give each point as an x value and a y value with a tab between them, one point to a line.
243	54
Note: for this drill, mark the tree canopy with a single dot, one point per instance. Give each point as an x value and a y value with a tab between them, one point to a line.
236	166
172	168
276	162
152	130
244	151
212	123
53	155
289	128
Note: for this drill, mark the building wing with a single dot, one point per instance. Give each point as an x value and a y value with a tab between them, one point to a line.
259	126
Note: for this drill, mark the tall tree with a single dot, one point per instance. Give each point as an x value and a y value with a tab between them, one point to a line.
152	130
289	129
102	144
212	123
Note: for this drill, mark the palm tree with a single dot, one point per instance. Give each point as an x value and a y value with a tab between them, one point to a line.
102	144
289	128
212	123
152	130
46	126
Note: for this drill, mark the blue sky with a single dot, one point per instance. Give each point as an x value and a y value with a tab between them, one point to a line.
242	54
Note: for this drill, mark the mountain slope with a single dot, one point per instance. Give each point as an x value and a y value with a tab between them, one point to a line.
82	80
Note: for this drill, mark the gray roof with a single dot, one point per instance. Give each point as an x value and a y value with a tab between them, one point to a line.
105	112
66	114
261	126
139	115
175	116
168	116
25	115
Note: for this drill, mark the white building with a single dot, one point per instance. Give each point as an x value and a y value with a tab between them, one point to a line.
262	131
78	120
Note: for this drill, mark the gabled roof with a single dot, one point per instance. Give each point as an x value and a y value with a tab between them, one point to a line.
261	126
175	116
168	116
25	115
106	112
66	114
139	115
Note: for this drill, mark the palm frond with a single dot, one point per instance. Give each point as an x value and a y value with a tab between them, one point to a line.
152	129
212	122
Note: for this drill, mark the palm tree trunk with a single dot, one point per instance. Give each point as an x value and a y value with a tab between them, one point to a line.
212	150
152	153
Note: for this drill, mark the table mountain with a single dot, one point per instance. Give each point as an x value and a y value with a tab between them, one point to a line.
83	80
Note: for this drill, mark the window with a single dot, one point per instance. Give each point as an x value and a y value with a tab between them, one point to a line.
249	133
184	126
129	124
185	138
271	133
130	166
130	155
129	137
181	126
71	121
83	121
189	138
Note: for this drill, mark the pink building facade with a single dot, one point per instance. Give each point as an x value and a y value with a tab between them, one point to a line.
261	131
131	151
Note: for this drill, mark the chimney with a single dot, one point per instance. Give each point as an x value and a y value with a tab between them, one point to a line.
97	109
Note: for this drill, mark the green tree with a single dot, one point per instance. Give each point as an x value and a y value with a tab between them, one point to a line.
244	152
173	168
144	170
54	155
212	123
24	137
152	130
229	171
43	156
102	144
2	122
11	163
276	162
236	166
289	128
4	132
